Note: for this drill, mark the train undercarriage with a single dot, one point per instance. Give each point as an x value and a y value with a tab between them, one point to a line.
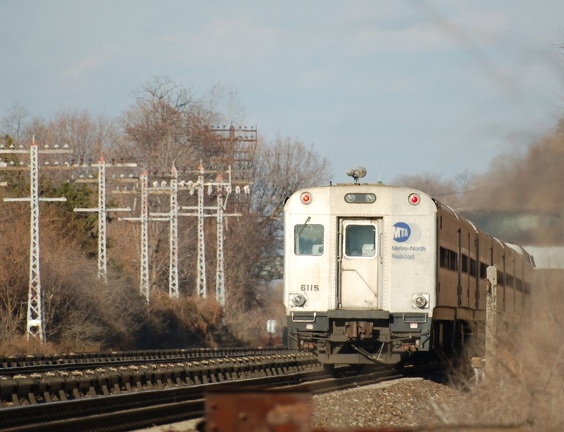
388	339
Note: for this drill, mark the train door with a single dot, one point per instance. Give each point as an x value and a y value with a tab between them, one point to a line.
358	263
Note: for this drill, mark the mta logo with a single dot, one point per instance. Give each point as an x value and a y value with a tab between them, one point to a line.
402	232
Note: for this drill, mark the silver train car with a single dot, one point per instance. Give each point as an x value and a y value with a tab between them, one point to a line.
382	274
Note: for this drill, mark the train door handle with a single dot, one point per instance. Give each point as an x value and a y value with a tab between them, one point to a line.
304	320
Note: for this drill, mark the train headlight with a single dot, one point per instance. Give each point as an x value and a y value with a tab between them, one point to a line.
298	299
360	198
420	301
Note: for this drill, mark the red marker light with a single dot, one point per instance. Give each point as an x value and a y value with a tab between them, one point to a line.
414	199
306	198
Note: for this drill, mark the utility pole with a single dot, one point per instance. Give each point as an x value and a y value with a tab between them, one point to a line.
172	217
145	217
239	146
201	282
173	236
220	266
102	211
144	284
35	327
223	192
222	189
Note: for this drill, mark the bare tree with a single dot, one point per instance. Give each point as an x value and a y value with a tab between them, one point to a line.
161	128
167	124
13	124
86	135
13	275
221	106
281	168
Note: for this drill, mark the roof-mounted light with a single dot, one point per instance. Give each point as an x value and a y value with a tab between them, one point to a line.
414	199
306	198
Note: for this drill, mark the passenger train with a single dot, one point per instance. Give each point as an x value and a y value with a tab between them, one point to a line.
382	274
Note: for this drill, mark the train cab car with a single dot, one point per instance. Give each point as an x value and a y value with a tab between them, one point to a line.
375	273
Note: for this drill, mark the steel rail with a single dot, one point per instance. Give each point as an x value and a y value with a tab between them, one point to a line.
29	364
142	409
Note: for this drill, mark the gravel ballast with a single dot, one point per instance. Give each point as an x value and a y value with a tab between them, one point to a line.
400	403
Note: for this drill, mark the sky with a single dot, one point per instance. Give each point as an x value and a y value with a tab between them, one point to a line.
403	87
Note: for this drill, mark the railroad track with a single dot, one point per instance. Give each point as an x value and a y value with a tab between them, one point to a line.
136	404
42	363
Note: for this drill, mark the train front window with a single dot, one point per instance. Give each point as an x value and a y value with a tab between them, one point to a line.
308	239
360	240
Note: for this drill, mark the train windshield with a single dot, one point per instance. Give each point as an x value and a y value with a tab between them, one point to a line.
360	240
308	239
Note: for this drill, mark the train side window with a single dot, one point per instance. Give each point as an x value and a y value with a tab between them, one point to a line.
308	239
360	240
448	259
464	263
483	270
472	267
